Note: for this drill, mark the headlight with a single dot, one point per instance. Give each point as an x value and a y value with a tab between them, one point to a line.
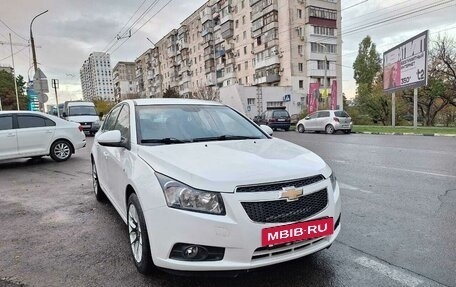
333	179
181	196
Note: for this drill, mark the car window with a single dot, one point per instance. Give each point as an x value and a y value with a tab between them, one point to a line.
26	122
123	123
49	123
312	116
324	114
110	122
280	114
341	114
6	123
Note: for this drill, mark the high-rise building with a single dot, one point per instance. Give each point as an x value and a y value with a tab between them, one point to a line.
6	69
96	80
124	81
288	43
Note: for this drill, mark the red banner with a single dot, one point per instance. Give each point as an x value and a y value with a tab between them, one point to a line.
314	92
334	95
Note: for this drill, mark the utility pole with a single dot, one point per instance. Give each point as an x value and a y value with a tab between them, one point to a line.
14	72
55	85
32	42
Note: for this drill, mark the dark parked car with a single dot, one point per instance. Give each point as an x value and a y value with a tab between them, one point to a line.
275	119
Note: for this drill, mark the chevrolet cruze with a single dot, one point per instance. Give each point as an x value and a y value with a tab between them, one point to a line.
203	188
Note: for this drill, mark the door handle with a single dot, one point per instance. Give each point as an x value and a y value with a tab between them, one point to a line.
105	154
10	135
49	132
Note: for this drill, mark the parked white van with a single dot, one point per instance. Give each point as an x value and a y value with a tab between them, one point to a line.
83	113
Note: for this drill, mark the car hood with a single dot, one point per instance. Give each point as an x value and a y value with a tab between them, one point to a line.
221	166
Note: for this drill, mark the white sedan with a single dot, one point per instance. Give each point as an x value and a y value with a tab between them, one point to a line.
34	134
203	188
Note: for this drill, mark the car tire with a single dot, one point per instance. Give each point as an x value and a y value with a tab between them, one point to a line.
60	151
286	129
138	236
347	131
301	129
329	129
99	193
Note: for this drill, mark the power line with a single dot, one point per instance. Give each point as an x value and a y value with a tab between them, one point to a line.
15	53
6	25
148	20
140	17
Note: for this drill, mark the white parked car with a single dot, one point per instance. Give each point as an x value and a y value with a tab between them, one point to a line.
203	188
328	121
35	134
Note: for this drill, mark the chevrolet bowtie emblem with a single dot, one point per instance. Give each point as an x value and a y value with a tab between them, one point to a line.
291	193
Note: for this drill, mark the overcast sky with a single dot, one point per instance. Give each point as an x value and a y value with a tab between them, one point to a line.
71	30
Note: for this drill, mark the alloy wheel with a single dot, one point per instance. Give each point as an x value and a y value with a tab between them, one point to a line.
134	230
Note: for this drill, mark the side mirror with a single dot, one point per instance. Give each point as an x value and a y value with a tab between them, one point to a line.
110	138
267	129
64	115
307	118
100	115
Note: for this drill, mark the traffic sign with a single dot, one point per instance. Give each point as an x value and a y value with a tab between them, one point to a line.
287	98
42	98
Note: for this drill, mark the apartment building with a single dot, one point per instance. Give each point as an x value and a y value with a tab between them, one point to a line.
288	43
124	81
96	80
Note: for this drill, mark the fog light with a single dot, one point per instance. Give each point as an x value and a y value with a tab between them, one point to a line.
191	252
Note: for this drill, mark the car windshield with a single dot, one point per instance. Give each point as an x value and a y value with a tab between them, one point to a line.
173	124
82	111
280	114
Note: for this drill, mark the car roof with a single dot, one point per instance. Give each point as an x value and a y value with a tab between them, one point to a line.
22	112
161	101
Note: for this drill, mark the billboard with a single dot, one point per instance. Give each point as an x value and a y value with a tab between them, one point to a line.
314	96
405	66
334	95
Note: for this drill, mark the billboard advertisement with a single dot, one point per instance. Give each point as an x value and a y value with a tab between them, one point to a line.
405	66
334	95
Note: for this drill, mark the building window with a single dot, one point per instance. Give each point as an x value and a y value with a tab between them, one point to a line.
244	35
324	31
240	81
251	101
245	50
243	19
321	65
301	84
246	65
274	104
242	4
323	48
237	24
247	80
299	13
300	67
323	13
239	67
300	51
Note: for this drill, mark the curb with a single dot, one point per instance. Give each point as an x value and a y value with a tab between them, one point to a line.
406	134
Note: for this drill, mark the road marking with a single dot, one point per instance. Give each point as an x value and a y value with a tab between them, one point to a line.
354	188
415	171
389	271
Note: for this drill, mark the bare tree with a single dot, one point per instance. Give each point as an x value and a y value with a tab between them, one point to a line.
206	93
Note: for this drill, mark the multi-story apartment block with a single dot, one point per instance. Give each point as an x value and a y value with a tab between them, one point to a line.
96	78
148	75
124	81
289	43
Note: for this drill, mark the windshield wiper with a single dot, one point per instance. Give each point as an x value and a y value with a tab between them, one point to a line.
224	138
165	141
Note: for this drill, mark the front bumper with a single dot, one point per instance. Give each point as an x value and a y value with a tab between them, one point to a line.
236	232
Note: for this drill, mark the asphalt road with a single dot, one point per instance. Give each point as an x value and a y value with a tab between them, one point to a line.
398	221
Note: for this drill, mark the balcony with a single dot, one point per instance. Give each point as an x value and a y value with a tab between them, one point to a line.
211	79
184	45
208	56
206	31
150	75
138	73
252	2
219	53
207	44
228	76
228	17
270	8
269	79
270	26
267	62
185	78
185	91
172	53
209	69
206	15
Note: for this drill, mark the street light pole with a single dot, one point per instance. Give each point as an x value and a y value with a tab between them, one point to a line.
14	73
325	48
32	42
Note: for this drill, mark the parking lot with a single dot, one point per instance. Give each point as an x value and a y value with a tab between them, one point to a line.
399	210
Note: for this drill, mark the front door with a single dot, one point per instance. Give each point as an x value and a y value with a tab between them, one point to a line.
34	135
8	138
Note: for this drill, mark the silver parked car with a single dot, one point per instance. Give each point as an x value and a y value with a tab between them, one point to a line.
328	121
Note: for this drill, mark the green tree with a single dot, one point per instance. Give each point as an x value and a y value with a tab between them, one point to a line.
103	107
440	91
171	93
367	64
8	93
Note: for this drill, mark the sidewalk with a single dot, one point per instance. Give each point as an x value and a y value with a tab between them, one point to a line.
406	134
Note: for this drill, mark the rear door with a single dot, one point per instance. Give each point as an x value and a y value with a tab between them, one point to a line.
8	138
323	118
34	134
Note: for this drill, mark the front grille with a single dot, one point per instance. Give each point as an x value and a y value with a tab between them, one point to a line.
270	251
280	211
279	185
